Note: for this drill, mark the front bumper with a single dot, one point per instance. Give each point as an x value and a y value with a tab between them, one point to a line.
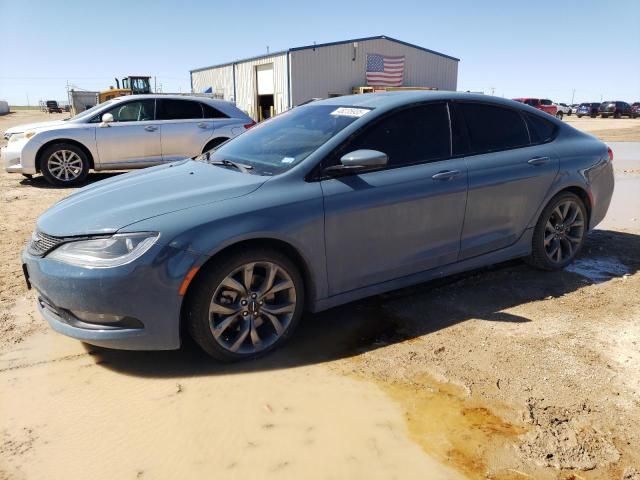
10	159
19	156
145	291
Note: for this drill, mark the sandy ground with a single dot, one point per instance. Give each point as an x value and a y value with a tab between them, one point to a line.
504	373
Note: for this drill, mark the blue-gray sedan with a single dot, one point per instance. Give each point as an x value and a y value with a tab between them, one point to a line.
328	203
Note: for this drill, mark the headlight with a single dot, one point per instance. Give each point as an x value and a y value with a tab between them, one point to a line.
114	251
15	137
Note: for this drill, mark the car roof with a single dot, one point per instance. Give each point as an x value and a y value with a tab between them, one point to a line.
399	98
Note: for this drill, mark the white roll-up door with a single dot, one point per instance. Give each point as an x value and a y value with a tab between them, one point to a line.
265	79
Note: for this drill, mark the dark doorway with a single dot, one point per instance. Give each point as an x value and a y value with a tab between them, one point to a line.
265	107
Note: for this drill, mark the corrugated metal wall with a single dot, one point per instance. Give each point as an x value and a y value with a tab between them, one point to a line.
246	89
220	80
332	70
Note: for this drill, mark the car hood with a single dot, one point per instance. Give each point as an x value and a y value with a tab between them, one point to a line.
35	126
112	204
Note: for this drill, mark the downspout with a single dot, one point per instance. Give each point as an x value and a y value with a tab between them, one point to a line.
235	99
289	79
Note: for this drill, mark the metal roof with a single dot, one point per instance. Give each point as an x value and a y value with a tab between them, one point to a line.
321	45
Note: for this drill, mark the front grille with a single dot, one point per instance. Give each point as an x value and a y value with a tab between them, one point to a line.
41	243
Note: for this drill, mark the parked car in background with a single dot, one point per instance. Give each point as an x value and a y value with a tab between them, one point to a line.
564	108
322	205
573	108
53	107
635	110
543	104
615	109
588	109
127	132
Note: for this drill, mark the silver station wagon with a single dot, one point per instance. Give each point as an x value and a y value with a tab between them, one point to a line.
325	204
123	133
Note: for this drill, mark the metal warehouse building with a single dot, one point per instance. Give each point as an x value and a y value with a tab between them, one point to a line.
272	83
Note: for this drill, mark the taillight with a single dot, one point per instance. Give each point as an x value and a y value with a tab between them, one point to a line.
247	126
610	154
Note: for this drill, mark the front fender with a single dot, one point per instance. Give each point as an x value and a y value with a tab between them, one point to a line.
291	213
85	135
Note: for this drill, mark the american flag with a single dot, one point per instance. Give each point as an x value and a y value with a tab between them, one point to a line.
384	70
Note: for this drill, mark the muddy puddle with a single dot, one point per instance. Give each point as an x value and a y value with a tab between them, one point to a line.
598	269
65	414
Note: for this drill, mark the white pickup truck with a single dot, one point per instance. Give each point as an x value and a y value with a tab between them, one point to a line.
564	108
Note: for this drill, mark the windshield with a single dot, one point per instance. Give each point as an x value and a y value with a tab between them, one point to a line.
91	111
531	101
283	141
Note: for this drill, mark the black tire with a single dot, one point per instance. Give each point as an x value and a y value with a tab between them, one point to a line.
539	257
617	115
209	283
594	115
559	115
76	175
579	116
604	116
214	143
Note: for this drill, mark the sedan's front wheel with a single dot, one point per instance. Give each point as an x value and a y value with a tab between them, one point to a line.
64	165
246	305
559	233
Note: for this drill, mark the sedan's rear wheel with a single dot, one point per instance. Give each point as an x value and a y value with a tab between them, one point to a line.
559	233
246	306
559	115
64	165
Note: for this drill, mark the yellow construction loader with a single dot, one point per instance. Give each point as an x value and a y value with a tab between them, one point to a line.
130	86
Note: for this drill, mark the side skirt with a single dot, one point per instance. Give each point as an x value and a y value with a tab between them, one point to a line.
519	249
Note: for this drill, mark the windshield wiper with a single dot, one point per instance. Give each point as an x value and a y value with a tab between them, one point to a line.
227	163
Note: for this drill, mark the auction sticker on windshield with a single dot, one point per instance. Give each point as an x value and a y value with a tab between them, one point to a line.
350	112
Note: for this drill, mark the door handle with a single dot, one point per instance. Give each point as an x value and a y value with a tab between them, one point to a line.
446	175
203	125
538	161
150	128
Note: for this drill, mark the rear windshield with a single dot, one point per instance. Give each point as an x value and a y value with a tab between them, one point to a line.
531	101
284	141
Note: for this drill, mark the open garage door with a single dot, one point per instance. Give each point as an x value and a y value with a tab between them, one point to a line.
264	76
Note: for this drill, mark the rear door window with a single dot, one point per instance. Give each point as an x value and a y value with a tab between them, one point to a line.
492	128
170	109
211	112
541	130
546	102
414	135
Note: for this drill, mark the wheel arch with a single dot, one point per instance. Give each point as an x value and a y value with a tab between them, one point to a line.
80	145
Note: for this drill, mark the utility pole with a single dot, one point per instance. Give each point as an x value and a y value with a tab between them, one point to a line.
155	87
573	96
28	104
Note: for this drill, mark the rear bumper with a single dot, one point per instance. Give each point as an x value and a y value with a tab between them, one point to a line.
144	293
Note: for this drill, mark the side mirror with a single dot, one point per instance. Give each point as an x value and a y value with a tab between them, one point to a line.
359	160
107	118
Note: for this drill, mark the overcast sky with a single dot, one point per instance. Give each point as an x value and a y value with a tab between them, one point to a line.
512	48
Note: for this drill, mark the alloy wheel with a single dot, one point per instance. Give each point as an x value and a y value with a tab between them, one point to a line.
65	165
564	232
252	307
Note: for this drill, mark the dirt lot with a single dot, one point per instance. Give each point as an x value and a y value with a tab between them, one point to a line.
505	373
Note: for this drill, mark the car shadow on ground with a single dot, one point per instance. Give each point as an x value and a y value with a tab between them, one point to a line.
38	181
401	315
